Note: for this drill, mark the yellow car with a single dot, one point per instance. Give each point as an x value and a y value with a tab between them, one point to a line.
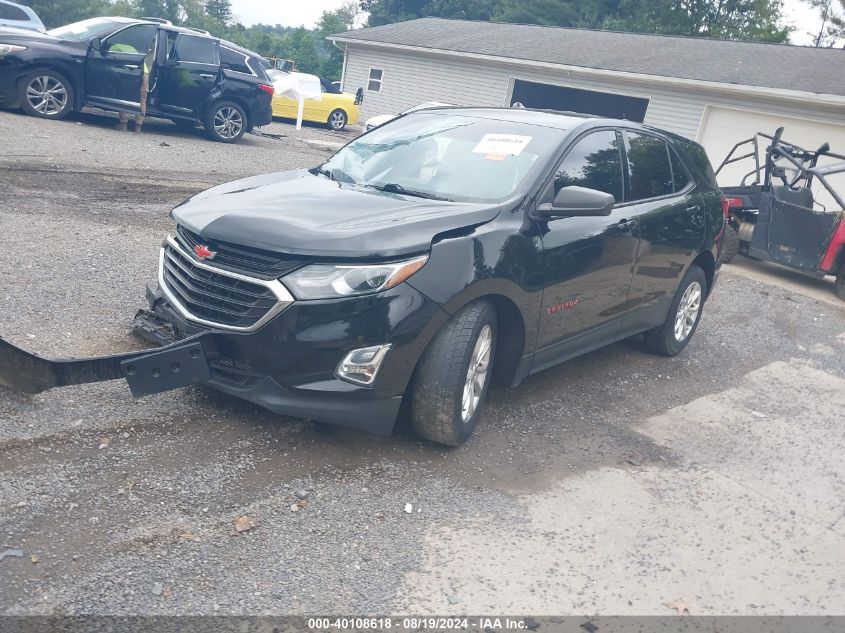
335	110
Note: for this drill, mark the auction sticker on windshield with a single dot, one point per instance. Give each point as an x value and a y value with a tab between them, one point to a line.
501	145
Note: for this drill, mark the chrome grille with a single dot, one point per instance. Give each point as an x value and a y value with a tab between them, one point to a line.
216	297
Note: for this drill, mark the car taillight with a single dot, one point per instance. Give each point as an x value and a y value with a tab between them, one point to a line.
267	88
727	204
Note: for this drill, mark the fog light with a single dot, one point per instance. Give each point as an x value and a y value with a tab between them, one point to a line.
361	365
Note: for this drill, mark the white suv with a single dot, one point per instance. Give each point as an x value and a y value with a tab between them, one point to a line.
19	16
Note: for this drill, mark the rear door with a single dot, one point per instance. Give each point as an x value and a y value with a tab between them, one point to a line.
188	73
671	219
113	73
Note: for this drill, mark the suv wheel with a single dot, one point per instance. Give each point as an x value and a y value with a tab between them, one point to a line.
684	314
337	120
450	386
225	122
46	94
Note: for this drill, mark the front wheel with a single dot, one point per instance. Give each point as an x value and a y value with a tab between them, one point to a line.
225	122
46	94
337	120
672	337
451	382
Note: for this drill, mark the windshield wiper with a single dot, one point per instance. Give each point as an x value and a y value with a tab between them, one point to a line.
324	172
395	187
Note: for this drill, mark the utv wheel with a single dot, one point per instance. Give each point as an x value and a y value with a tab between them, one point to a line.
839	285
225	122
337	120
450	386
46	94
684	314
730	243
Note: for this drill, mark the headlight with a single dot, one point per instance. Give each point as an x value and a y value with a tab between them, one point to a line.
327	281
5	49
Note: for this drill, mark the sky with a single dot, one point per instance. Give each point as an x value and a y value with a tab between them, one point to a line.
307	12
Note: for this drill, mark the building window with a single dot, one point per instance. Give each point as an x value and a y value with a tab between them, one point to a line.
376	76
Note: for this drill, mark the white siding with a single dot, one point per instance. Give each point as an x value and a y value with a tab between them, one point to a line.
413	77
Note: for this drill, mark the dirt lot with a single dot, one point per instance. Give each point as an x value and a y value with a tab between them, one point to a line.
616	483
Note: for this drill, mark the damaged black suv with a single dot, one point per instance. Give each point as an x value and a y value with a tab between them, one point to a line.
425	259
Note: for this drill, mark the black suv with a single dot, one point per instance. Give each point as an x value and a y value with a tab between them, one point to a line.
195	78
427	257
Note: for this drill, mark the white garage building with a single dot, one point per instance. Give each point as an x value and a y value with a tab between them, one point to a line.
716	92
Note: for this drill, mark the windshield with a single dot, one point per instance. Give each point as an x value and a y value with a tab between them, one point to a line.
446	156
85	30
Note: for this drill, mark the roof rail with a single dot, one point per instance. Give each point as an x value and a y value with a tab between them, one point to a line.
159	20
191	28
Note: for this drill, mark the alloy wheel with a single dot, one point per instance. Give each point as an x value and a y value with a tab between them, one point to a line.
337	120
47	95
688	310
476	377
228	122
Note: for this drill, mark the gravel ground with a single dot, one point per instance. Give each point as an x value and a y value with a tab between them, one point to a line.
129	507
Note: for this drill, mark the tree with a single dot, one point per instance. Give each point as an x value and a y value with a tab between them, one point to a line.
331	22
58	12
831	30
220	10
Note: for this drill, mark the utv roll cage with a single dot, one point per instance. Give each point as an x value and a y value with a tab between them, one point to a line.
801	170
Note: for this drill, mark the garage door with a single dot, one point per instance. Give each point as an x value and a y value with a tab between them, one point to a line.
724	127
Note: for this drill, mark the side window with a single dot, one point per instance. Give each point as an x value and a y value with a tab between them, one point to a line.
648	160
375	79
233	60
133	39
679	172
198	50
595	162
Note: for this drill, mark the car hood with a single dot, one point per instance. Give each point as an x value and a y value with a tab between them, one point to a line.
10	34
300	213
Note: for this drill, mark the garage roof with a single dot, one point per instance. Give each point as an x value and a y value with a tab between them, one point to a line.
779	66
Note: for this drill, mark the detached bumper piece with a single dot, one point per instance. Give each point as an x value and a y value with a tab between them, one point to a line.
148	371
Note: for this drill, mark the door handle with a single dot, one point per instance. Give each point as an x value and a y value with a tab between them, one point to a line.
627	224
206	75
693	209
131	66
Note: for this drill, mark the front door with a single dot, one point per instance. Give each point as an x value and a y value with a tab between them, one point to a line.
189	71
671	217
588	261
113	72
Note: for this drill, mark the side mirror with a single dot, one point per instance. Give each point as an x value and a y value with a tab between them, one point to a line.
577	201
96	43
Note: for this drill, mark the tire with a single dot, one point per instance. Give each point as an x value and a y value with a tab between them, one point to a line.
337	120
225	122
443	377
839	284
46	94
730	243
672	337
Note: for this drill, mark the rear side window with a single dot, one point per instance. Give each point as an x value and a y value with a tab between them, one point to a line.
197	50
8	12
648	161
233	60
679	173
595	162
133	39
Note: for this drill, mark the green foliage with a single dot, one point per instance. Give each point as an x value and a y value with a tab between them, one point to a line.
58	12
831	31
726	19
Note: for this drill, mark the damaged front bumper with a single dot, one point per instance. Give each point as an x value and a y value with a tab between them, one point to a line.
179	364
